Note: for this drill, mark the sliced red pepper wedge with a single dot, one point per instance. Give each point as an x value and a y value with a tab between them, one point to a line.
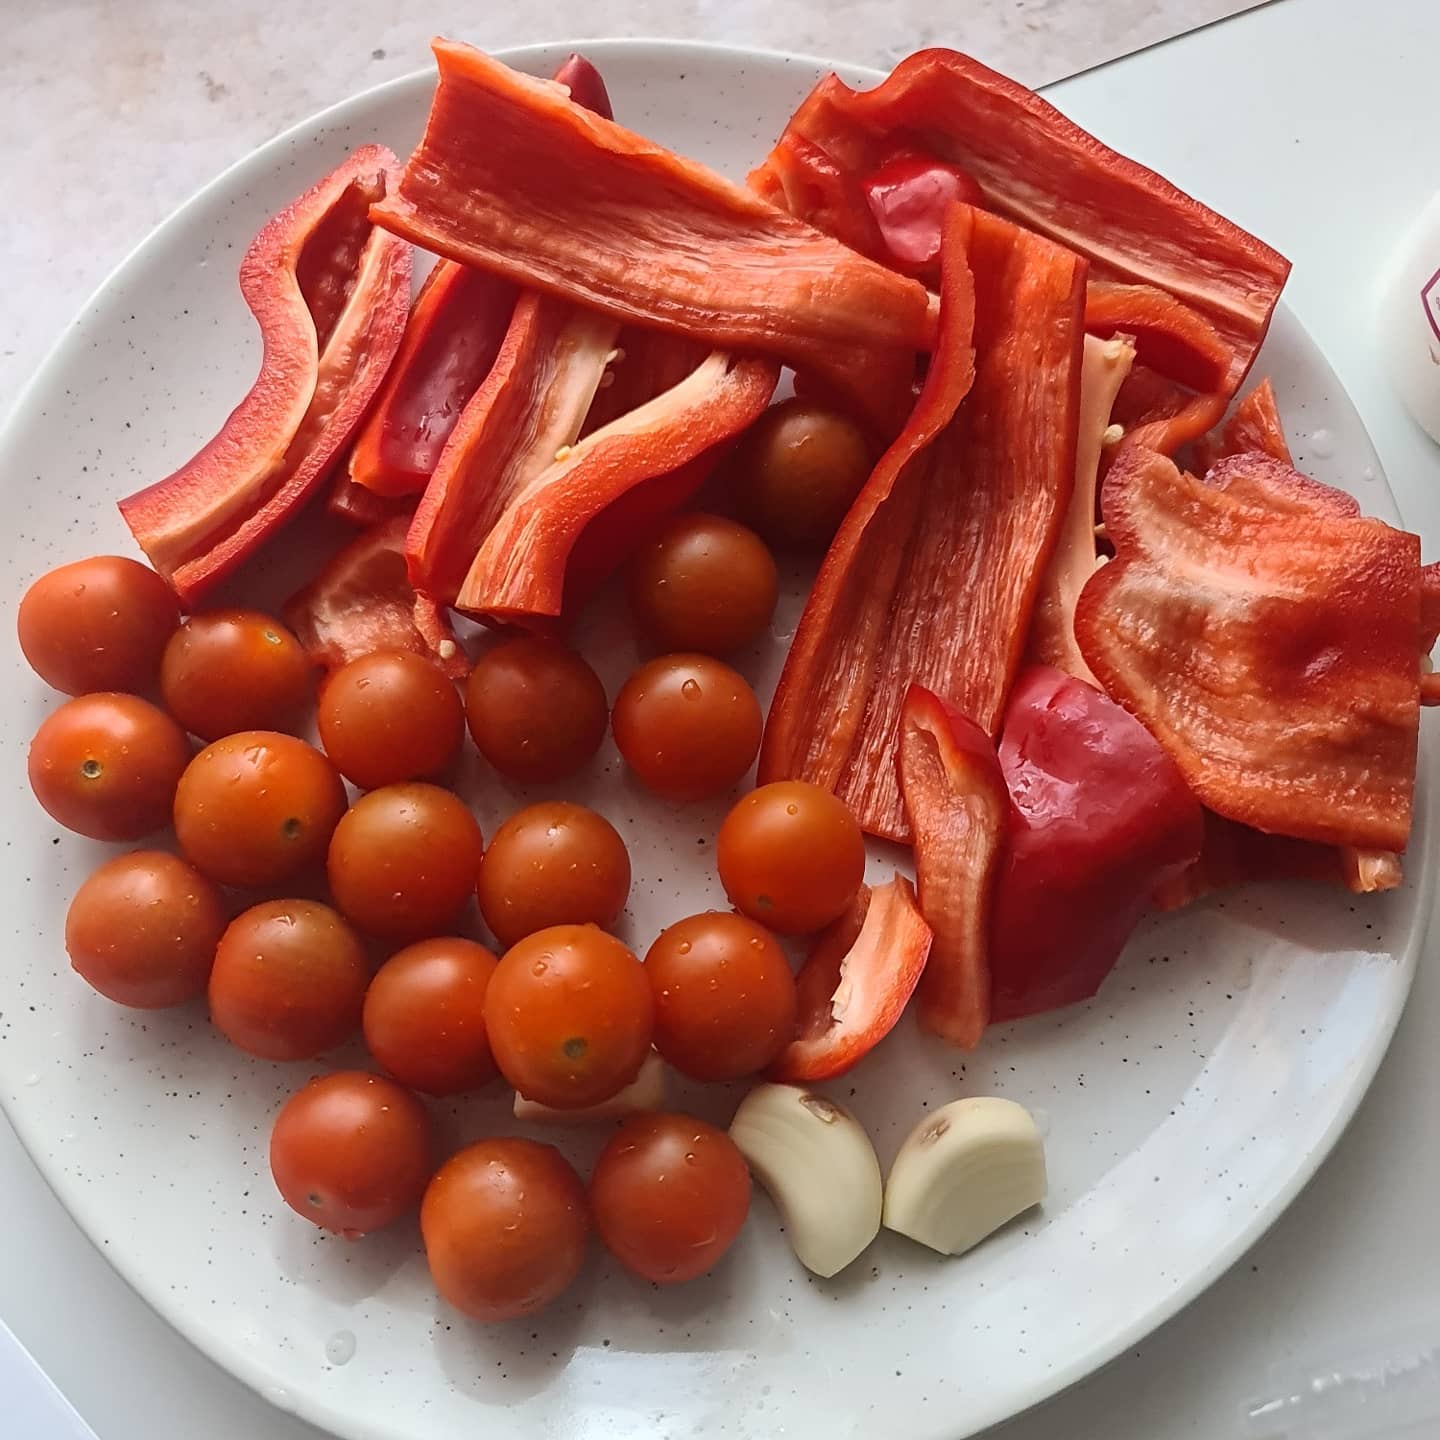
456	326
933	574
1257	479
529	408
855	983
1256	425
520	572
362	601
1169	336
362	507
1274	652
1100	818
1105	365
958	810
646	364
1157	414
511	176
329	292
1237	855
1034	166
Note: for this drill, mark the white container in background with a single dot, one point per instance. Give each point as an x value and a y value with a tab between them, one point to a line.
1409	320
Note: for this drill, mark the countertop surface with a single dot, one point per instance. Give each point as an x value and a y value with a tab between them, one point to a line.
130	106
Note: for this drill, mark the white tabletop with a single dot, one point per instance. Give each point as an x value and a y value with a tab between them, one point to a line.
1309	121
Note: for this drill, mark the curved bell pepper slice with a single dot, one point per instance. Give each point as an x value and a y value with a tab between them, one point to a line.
363	507
363	601
1171	338
855	983
329	291
1273	651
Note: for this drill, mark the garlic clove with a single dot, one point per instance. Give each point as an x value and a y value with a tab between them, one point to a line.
645	1092
819	1167
963	1172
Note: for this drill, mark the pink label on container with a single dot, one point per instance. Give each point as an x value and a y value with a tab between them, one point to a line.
1430	299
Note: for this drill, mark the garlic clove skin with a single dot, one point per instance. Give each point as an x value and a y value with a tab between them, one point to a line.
963	1172
644	1093
820	1169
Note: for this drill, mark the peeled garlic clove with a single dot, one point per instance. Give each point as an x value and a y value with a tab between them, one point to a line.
819	1167
963	1172
645	1092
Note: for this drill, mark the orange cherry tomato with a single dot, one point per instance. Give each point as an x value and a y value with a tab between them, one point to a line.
553	864
669	1195
351	1152
791	856
232	670
143	930
107	766
424	1016
403	861
98	624
289	980
506	1226
390	716
688	726
257	808
725	1000
569	1014
536	710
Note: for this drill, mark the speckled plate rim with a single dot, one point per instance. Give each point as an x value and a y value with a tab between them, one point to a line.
233	1357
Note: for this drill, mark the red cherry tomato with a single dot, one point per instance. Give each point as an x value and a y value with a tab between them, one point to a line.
403	861
351	1152
289	980
725	1000
257	808
388	717
424	1016
506	1225
107	766
143	930
669	1195
791	856
569	1014
97	624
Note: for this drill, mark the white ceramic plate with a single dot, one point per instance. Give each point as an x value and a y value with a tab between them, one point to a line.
1184	1108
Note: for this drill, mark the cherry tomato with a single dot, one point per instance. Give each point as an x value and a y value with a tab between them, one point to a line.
388	717
404	860
424	1016
797	471
703	583
143	930
289	980
725	1001
553	864
257	808
569	1014
536	710
669	1195
351	1152
791	856
688	726
97	624
505	1224
235	670
107	766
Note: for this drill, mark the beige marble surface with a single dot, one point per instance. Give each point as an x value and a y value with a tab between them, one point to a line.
127	106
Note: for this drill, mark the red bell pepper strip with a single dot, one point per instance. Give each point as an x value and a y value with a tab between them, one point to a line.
1154	413
529	408
646	364
1274	652
1100	819
512	176
1256	479
585	85
933	574
362	601
362	507
956	803
456	325
1169	336
1034	166
1105	365
1237	855
329	292
519	574
1256	425
855	983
